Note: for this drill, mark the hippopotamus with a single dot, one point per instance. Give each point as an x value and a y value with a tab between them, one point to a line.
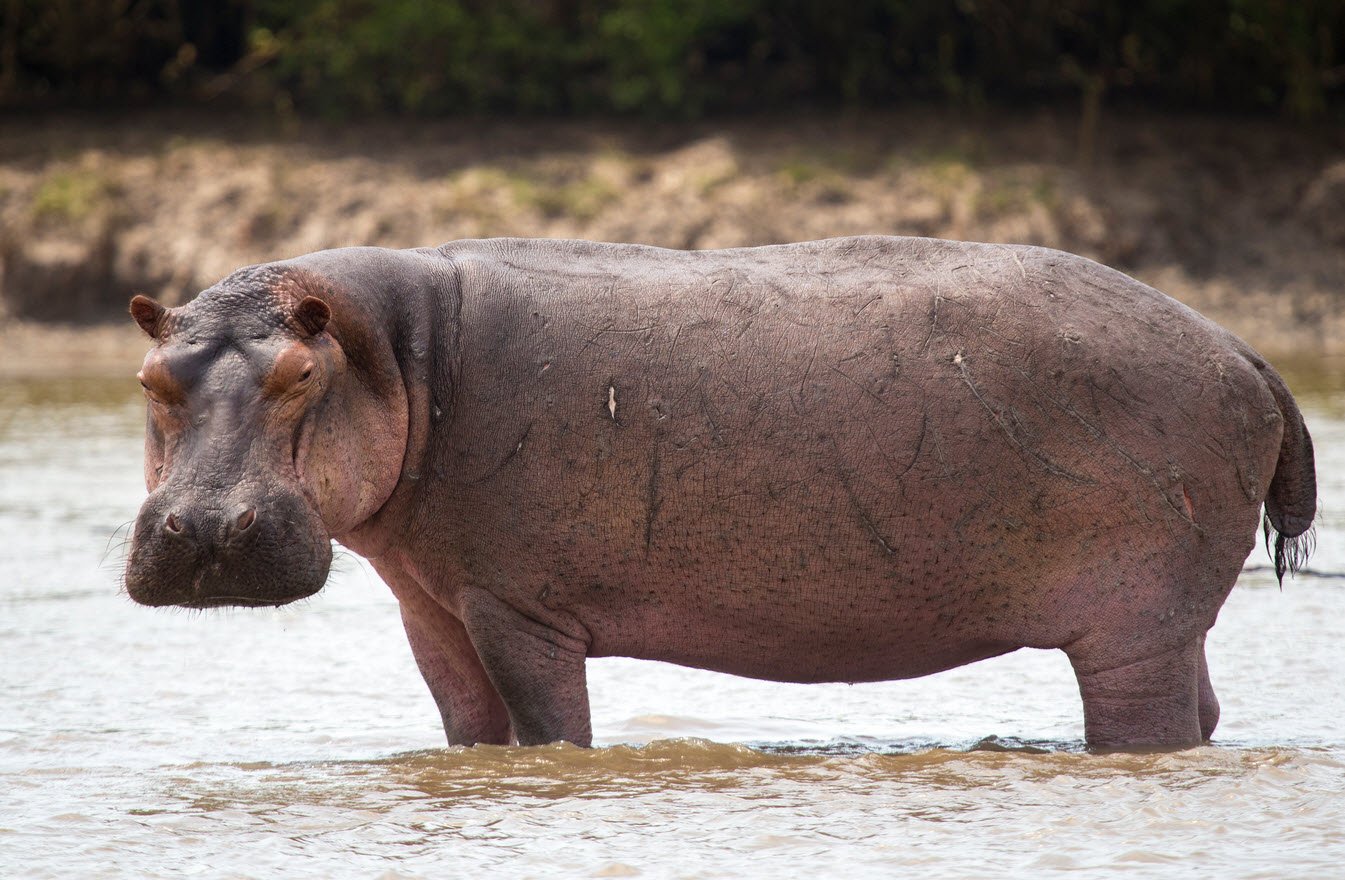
850	460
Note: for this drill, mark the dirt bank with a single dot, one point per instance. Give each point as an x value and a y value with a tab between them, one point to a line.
1239	219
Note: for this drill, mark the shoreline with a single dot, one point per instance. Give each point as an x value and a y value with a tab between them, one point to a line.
32	351
1239	219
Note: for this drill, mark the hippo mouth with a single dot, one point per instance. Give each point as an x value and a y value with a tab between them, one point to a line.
200	595
240	601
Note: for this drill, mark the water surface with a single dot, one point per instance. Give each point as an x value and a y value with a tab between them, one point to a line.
300	742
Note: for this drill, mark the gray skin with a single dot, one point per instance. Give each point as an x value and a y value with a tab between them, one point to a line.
850	460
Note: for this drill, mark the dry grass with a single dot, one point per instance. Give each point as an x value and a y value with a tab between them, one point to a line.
1237	219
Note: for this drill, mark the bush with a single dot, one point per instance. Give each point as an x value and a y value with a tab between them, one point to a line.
677	58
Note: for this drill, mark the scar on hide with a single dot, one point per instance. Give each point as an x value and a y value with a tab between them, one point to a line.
611	401
508	457
1008	425
863	515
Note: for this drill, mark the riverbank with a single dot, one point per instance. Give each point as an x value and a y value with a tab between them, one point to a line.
1239	219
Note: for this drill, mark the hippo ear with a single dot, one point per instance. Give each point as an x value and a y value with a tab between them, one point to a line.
148	314
312	314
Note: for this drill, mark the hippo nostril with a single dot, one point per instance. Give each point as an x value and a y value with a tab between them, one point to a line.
171	523
246	519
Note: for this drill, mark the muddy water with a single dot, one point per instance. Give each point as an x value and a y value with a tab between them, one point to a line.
300	742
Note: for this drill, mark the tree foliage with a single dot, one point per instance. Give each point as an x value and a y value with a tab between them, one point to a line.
680	58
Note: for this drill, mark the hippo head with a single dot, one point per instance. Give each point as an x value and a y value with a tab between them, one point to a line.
275	424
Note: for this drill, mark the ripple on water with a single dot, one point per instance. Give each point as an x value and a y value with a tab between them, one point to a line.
679	807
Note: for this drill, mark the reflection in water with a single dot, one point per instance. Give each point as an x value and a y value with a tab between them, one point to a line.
301	742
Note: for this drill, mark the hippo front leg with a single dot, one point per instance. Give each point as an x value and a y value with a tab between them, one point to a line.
537	669
469	705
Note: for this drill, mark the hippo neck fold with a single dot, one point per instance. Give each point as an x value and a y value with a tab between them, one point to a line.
411	296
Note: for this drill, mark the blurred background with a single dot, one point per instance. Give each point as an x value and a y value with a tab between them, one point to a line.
155	145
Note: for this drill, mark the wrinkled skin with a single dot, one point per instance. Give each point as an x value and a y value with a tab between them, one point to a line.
852	460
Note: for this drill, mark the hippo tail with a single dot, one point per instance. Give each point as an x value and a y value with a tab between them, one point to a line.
1291	502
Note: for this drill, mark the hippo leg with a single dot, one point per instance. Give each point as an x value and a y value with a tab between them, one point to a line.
1209	703
1152	702
470	706
537	669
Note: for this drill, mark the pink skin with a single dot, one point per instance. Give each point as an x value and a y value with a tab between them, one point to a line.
853	460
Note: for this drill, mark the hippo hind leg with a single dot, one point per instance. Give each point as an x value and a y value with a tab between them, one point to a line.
1141	671
1153	702
1209	703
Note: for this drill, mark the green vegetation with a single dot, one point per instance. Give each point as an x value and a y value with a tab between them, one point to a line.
797	172
677	58
1015	194
821	178
71	196
580	199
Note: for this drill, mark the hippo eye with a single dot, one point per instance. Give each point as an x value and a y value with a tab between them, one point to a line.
149	392
307	373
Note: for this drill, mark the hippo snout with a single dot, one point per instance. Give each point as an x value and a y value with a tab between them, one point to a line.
203	525
196	551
